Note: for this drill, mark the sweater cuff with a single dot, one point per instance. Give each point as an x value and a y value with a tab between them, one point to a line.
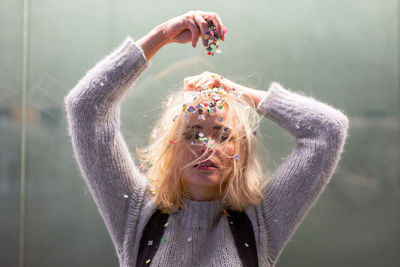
130	44
276	94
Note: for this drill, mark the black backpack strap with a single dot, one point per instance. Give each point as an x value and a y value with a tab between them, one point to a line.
151	237
239	223
243	234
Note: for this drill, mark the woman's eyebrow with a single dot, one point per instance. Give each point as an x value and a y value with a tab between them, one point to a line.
194	126
216	127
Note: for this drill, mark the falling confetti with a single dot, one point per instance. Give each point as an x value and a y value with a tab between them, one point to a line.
237	157
126	196
150	243
213	38
189	239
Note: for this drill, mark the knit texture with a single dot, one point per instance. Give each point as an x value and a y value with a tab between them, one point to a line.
198	235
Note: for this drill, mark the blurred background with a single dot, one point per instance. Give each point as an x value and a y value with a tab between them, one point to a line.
344	53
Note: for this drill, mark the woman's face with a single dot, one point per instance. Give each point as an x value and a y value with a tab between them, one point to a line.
207	175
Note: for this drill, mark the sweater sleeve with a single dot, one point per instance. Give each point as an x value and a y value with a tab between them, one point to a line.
93	115
320	131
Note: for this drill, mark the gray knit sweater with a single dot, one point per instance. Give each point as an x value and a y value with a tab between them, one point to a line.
198	235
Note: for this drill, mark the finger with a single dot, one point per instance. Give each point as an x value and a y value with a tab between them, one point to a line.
201	82
186	84
216	19
189	23
202	24
190	83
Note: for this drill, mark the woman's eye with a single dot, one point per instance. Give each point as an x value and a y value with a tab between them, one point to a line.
224	137
192	136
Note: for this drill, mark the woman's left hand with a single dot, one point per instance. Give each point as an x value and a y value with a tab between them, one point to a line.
210	80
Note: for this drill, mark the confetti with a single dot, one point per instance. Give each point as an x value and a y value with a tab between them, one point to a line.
189	239
166	224
237	157
220	119
211	146
163	239
148	261
171	142
169	101
213	38
247	245
150	243
201	134
126	196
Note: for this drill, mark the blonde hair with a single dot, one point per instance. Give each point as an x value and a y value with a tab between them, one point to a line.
245	181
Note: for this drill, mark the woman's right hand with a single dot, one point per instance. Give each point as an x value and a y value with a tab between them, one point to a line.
189	26
182	29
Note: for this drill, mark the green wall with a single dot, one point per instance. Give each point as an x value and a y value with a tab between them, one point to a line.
344	53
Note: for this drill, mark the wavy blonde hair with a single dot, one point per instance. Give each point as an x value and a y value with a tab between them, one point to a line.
245	181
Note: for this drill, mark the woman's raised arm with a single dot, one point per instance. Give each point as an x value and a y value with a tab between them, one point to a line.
320	131
93	115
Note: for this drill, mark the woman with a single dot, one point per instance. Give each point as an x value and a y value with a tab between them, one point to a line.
199	162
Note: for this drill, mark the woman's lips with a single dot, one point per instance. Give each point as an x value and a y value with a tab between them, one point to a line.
208	165
205	167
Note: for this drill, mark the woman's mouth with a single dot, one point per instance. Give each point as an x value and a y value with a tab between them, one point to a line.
206	166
